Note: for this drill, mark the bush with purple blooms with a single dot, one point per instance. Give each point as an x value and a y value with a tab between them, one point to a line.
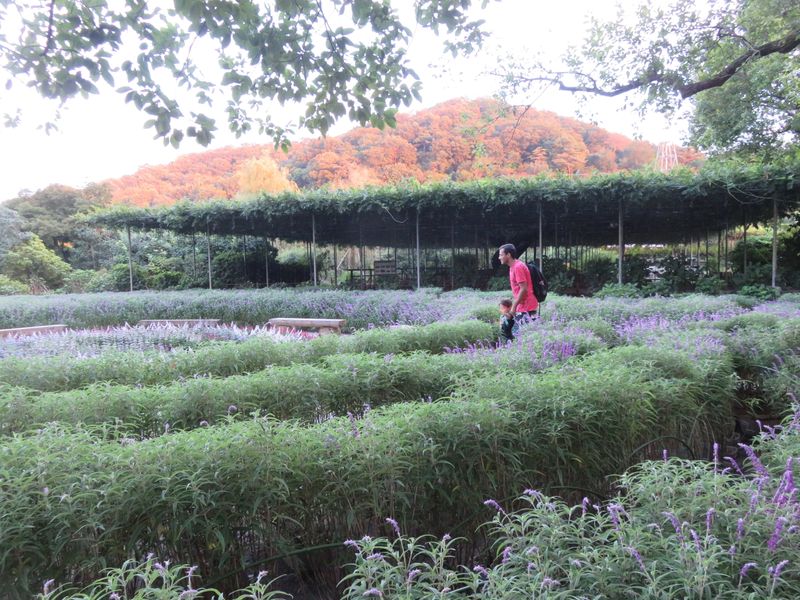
678	529
173	451
223	359
151	578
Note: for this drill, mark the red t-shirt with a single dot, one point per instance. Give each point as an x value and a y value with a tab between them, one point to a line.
519	273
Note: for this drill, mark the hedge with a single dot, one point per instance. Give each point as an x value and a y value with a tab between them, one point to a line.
221	359
339	384
227	495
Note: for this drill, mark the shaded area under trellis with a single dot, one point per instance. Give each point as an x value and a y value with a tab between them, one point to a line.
622	208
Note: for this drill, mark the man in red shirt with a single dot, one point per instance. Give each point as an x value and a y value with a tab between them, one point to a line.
524	301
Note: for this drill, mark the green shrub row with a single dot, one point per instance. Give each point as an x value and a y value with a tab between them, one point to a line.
337	385
221	359
678	529
230	494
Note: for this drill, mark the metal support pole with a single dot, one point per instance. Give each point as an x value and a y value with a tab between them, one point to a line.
266	262
130	258
621	247
208	253
194	257
541	249
419	273
452	256
336	268
774	242
244	256
744	262
314	246
726	246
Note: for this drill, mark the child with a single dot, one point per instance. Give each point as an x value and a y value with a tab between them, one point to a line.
509	327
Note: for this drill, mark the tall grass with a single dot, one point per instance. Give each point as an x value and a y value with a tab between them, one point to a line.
222	359
223	496
338	384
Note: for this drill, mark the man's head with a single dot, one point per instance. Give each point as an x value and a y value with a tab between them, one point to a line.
507	254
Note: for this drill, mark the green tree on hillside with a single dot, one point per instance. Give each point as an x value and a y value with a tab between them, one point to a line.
54	214
12	231
33	263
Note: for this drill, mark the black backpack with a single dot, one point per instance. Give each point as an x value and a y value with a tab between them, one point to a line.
539	282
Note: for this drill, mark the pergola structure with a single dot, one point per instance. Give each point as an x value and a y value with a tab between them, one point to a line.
613	209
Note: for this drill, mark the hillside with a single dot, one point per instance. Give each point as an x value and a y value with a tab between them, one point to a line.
459	140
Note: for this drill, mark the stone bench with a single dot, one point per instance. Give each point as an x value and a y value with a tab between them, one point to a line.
36	330
321	325
180	322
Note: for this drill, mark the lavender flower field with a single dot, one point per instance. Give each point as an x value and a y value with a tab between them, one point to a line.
232	450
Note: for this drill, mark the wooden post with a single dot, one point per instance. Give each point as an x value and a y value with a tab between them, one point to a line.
208	253
774	242
130	258
314	246
419	273
621	251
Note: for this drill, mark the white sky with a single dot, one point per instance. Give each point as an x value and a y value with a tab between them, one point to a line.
102	137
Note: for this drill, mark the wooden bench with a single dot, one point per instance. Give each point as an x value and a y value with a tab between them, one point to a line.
180	322
321	325
36	330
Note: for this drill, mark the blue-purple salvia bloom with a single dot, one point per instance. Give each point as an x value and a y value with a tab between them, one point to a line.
775	538
494	505
745	569
481	570
754	460
635	554
394	525
775	572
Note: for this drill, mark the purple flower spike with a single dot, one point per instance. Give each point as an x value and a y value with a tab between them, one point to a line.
480	570
412	575
373	593
745	569
775	538
734	464
506	554
394	525
494	505
757	465
776	572
635	554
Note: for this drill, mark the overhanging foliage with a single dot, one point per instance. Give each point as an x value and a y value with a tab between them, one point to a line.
657	208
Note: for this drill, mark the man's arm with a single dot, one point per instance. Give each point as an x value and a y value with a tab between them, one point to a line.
523	290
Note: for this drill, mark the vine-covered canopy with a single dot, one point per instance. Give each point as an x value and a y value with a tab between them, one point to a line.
656	208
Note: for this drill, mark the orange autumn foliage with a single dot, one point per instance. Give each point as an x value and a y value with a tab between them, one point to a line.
457	140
